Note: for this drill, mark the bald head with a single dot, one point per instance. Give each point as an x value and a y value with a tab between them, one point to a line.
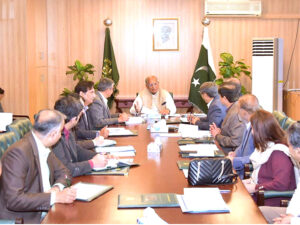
47	120
152	84
248	105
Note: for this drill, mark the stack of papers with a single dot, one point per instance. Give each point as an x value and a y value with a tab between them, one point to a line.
202	200
115	163
201	150
117	150
134	120
107	142
192	131
119	131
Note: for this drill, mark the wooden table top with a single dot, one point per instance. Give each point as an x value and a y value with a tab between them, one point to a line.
157	173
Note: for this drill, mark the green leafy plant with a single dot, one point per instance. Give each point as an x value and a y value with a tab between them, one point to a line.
229	68
80	72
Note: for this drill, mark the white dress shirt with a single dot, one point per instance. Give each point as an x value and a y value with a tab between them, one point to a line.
43	156
153	110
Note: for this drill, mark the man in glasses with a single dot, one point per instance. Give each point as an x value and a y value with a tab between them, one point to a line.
153	99
99	112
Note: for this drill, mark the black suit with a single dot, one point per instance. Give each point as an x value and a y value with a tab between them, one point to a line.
73	156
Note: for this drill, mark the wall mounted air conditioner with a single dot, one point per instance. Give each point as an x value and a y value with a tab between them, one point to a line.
232	7
267	72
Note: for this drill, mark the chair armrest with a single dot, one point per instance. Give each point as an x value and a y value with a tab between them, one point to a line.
284	203
262	195
248	168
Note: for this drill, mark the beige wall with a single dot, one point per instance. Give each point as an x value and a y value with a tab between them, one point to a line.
46	36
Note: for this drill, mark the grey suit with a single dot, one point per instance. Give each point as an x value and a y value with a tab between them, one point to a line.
215	114
21	188
73	156
99	114
243	152
232	130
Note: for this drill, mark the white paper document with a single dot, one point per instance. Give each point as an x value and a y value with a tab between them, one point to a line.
185	172
118	131
107	142
170	134
115	149
113	163
88	191
134	120
201	149
192	131
5	119
202	200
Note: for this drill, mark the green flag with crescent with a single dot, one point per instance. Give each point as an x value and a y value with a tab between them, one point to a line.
109	68
204	71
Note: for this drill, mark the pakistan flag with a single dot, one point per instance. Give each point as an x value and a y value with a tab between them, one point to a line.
204	71
109	68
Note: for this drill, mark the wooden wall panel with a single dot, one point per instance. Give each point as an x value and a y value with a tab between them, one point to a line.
13	68
66	30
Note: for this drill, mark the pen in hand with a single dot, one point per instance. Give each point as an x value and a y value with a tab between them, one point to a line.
68	181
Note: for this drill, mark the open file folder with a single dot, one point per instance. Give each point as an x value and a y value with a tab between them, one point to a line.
202	200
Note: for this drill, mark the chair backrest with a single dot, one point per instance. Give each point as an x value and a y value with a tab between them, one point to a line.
20	127
6	140
288	123
280	117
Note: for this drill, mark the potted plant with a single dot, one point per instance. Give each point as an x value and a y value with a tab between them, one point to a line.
229	68
80	72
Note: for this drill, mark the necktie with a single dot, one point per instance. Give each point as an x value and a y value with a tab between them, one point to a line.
245	139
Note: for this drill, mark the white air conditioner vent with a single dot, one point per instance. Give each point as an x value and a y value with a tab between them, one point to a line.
233	7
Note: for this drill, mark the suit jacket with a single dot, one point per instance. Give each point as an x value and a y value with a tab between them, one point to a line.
21	187
232	130
1	108
83	129
99	114
74	157
243	152
215	114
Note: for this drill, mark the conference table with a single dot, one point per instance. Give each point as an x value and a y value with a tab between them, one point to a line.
157	173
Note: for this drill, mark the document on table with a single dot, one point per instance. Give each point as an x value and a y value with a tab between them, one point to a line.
107	142
134	120
115	149
200	149
192	131
119	131
170	134
185	172
115	163
89	191
202	200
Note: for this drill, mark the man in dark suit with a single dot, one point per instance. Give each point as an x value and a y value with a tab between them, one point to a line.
32	177
77	159
230	136
216	110
84	130
99	112
248	104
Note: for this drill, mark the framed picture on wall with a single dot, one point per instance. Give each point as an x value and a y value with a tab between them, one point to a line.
165	34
